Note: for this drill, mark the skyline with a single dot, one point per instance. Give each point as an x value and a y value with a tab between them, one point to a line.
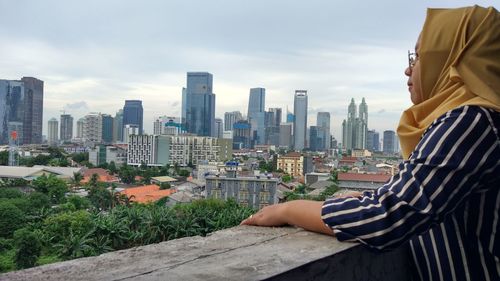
122	50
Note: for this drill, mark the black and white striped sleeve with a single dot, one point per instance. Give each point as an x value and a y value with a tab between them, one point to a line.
447	166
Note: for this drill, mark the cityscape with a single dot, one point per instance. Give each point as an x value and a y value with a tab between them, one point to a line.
23	106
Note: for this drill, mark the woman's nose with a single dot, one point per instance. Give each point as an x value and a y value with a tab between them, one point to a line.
408	71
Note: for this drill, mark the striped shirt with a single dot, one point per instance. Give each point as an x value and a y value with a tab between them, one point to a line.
445	201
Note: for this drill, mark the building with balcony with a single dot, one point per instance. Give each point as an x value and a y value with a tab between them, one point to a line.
183	150
292	164
254	192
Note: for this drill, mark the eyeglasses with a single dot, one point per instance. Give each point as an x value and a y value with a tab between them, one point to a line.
412	59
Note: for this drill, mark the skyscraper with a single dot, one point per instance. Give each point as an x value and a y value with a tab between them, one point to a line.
92	128
66	127
323	124
230	118
272	126
198	104
256	113
107	128
33	89
133	114
218	128
21	110
79	128
52	134
372	140
355	128
300	122
389	142
118	126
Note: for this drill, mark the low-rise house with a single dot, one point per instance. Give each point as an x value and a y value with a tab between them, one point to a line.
31	173
147	193
102	176
359	182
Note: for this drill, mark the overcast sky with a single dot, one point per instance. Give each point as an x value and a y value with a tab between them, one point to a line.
95	54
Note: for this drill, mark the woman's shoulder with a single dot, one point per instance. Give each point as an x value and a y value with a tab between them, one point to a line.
463	115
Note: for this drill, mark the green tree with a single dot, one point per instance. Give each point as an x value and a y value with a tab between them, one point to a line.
184	173
75	245
4	158
58	226
76	178
80	157
28	247
54	187
286	178
11	219
101	198
112	168
165	185
10	193
38	200
127	174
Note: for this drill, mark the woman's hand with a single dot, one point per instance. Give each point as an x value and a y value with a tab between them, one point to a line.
301	213
272	215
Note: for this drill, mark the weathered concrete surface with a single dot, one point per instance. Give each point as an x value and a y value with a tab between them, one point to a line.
240	253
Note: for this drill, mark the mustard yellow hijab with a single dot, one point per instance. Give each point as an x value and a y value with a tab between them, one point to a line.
460	65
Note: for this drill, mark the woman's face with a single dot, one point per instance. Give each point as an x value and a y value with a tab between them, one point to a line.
413	73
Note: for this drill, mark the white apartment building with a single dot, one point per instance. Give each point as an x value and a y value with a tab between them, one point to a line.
159	150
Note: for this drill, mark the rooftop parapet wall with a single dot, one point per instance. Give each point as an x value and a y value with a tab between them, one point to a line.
239	253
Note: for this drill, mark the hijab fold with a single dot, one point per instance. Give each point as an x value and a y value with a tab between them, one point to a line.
460	65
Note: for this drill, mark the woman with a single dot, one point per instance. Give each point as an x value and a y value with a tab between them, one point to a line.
446	198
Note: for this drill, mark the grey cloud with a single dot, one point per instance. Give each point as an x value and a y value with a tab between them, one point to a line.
81	105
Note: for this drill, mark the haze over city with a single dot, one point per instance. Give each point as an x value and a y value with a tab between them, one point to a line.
94	55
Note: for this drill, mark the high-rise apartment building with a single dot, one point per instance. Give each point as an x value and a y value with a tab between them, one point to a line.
118	126
183	150
21	110
300	120
167	125
52	132
133	114
66	132
230	118
355	128
79	128
323	127
218	128
198	104
389	142
92	128
256	114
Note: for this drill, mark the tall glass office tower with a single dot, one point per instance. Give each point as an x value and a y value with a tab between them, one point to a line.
323	126
21	110
256	114
133	114
300	120
198	104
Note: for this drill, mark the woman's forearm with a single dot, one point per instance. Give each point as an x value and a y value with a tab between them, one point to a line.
306	214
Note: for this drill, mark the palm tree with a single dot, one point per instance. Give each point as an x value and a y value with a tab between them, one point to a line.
75	246
76	179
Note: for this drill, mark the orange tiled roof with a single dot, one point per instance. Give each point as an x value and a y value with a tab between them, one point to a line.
147	193
103	175
363	177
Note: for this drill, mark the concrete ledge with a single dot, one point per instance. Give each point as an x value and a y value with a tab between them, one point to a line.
239	253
